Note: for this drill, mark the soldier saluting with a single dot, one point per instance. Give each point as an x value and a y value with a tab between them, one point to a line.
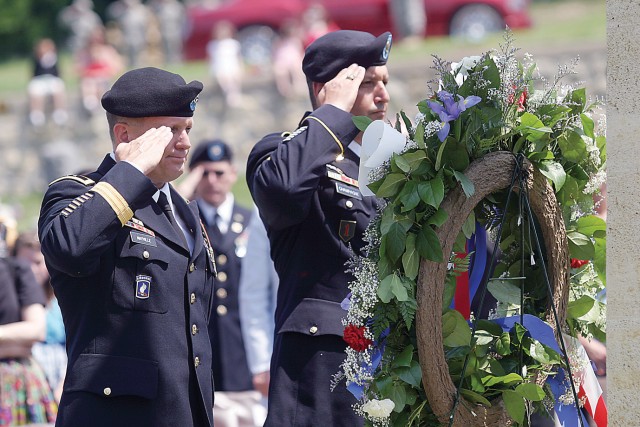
306	189
132	268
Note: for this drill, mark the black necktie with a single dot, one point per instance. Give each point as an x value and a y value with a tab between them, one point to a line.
166	208
216	234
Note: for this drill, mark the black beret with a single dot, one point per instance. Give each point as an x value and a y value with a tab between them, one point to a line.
152	92
332	52
211	151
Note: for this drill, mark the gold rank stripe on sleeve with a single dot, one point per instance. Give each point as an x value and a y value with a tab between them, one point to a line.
76	203
115	200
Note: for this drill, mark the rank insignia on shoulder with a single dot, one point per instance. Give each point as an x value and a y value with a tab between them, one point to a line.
347	230
293	134
77	178
143	286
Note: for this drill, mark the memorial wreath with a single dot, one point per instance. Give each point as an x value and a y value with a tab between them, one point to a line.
493	129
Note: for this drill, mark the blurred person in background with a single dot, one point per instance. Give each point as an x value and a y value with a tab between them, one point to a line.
225	62
97	64
50	354
211	178
26	397
287	57
46	84
257	302
81	20
133	19
316	23
170	15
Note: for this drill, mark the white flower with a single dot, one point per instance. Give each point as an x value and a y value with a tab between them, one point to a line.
379	408
461	69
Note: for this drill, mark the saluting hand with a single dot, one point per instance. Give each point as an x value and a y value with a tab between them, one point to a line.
342	90
146	151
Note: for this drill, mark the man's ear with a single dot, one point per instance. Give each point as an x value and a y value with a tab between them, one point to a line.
121	132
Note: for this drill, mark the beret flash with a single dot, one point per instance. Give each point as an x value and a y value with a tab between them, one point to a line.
210	151
332	52
151	92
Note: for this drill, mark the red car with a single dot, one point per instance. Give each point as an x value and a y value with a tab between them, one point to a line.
258	20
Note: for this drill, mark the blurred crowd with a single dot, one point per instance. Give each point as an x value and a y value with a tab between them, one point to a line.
137	33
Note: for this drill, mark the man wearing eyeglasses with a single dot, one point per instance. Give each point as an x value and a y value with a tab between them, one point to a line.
211	178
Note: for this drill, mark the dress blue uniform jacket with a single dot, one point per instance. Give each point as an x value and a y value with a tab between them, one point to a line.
315	217
230	367
135	303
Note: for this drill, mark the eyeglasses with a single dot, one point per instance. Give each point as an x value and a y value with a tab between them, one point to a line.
206	174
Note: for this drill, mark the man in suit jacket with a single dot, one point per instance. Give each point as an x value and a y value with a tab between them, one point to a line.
305	187
133	269
212	175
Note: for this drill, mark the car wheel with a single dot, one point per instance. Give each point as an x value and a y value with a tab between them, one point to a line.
256	42
475	21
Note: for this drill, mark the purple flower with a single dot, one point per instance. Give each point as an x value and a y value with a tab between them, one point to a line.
450	109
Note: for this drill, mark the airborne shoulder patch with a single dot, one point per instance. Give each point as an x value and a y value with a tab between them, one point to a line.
77	178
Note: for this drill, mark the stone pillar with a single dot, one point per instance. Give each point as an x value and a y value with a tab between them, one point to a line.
623	193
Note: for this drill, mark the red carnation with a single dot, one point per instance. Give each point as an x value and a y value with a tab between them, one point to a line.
577	263
354	336
522	101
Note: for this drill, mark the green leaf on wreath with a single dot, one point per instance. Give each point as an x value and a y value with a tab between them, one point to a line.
407	123
401	163
455	329
469	226
395	241
385	291
428	244
391	185
578	97
467	185
432	192
438	218
587	125
554	171
414	159
409	197
543	354
580	307
589	224
411	257
399	396
474	397
489	326
361	122
533	128
580	246
573	146
404	358
514	404
531	391
453	154
503	344
600	258
483	337
504	291
411	375
507	380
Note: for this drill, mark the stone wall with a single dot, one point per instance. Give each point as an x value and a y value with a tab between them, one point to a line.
623	191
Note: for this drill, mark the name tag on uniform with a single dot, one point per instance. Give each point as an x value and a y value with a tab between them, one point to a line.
348	191
143	239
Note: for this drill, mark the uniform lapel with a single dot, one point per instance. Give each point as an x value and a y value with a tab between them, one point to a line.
154	218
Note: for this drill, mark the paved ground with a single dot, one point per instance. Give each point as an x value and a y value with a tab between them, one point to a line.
32	158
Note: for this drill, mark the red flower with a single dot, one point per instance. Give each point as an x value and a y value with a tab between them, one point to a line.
354	336
577	263
522	101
